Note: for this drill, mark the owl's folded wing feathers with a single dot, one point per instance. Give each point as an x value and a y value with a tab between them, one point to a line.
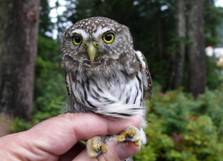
147	79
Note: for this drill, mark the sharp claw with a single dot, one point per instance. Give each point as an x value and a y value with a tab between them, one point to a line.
131	134
96	147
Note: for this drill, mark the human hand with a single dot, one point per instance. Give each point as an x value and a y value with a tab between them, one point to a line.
56	139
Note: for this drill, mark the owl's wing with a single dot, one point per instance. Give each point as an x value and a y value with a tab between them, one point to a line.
68	64
147	79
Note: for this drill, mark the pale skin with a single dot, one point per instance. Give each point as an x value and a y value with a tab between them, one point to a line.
55	139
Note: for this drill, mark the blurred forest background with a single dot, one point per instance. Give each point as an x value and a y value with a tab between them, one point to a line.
185	113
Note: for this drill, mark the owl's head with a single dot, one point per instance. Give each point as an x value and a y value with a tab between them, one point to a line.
96	39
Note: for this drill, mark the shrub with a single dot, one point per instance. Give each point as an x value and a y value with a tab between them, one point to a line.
183	129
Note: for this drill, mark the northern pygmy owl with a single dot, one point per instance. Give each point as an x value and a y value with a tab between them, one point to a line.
105	75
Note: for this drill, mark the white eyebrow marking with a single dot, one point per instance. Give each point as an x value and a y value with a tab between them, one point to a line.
100	31
84	34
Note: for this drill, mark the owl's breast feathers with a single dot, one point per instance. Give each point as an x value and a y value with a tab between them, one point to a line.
114	89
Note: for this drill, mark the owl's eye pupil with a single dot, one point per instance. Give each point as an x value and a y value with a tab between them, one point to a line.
108	38
77	39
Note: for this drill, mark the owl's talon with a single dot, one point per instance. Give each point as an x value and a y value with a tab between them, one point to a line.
131	134
96	147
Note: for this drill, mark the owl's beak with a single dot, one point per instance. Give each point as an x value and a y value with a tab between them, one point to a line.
91	50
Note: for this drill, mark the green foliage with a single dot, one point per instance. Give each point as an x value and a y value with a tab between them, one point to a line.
45	24
183	129
19	124
214	73
159	142
50	87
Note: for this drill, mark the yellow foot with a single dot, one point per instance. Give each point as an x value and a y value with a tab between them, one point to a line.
131	134
96	147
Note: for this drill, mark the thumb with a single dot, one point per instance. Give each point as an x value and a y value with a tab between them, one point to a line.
59	134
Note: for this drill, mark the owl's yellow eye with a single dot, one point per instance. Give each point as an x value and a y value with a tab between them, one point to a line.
108	37
77	39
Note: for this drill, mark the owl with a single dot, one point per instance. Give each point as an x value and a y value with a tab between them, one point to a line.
105	75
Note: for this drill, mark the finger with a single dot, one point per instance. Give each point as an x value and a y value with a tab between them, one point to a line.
57	135
126	150
116	152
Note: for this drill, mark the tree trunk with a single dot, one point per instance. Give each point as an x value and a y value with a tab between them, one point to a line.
196	53
18	45
178	59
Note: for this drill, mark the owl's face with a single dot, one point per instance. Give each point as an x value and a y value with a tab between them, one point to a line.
96	39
